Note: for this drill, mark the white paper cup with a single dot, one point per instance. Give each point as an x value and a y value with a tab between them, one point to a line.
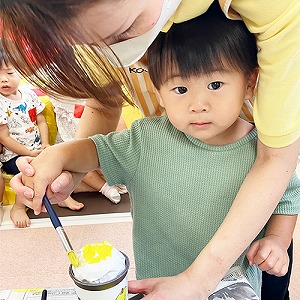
115	289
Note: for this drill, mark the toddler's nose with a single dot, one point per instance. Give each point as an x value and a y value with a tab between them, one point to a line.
3	79
199	105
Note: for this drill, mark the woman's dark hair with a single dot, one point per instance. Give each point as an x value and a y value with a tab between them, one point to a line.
40	38
202	45
3	57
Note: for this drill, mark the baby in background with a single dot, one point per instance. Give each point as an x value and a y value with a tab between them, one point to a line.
23	128
2	187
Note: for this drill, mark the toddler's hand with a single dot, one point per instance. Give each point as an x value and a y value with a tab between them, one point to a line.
270	255
35	153
44	146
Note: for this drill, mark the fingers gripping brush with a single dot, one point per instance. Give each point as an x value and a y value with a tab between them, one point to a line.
61	233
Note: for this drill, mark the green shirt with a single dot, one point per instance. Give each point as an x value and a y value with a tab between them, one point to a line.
181	189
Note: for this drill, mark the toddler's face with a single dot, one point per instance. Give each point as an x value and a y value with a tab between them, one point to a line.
207	106
9	80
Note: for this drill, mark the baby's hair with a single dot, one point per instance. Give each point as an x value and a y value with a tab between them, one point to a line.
202	45
43	42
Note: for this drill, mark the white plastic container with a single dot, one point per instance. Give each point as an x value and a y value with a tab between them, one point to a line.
116	289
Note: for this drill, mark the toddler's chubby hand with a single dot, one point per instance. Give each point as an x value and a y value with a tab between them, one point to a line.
35	153
44	146
270	255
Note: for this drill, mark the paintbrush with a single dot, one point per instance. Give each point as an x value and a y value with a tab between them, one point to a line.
44	295
61	233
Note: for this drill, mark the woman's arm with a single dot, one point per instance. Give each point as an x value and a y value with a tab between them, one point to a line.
277	115
97	119
252	207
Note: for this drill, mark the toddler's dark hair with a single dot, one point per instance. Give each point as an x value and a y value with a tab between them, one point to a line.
202	45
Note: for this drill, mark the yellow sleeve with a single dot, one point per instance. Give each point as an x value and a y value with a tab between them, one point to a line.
277	104
187	10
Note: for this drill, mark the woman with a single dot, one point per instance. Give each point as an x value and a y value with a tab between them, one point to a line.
130	30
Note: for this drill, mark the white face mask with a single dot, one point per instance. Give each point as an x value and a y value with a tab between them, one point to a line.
130	51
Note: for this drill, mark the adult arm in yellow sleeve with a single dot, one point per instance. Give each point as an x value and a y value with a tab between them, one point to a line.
277	103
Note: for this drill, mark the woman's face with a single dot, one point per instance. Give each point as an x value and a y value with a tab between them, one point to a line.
116	21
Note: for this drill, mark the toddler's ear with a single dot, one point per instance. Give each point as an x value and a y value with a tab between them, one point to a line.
160	100
252	82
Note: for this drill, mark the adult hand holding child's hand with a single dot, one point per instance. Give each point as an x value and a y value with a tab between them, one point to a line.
45	168
57	189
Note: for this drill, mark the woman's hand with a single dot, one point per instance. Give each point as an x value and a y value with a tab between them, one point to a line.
168	288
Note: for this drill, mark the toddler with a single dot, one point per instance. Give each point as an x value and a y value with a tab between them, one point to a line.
23	128
2	187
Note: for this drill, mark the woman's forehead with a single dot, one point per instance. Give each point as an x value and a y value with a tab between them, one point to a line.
107	19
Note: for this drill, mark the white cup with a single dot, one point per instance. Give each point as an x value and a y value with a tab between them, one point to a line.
115	289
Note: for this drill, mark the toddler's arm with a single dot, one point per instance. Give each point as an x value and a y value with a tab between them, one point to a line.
270	252
14	145
43	129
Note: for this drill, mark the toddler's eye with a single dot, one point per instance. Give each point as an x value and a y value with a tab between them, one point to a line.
215	85
180	90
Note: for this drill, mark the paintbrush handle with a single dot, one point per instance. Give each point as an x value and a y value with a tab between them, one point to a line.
51	212
57	225
60	231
